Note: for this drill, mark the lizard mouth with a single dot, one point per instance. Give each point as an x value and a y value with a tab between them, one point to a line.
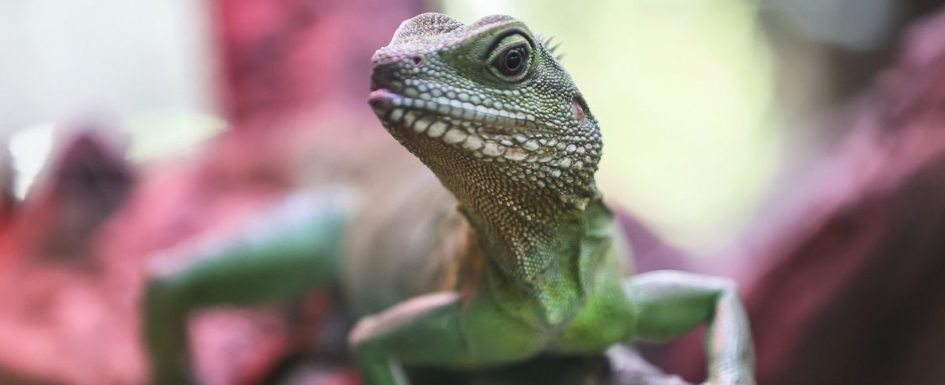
382	98
475	128
403	114
397	109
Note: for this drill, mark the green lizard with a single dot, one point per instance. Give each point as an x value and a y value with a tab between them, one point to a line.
529	262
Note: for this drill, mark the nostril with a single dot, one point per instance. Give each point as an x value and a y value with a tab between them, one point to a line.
384	75
387	70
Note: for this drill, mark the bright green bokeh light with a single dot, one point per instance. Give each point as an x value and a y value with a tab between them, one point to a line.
683	92
167	133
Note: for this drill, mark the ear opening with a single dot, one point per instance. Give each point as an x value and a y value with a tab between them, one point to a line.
579	107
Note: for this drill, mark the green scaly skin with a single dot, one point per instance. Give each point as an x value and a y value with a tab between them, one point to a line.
490	111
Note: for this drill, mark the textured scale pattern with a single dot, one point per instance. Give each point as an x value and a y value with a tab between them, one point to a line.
519	155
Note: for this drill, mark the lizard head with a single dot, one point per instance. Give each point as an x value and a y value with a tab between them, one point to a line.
489	99
488	108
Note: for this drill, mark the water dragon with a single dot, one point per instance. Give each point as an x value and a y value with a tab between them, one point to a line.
508	252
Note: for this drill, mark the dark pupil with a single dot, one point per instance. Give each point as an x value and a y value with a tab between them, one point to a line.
514	60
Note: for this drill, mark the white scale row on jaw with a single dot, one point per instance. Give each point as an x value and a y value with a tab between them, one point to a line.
434	128
467	111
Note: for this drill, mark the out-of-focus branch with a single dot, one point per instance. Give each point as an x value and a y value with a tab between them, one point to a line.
854	292
848	281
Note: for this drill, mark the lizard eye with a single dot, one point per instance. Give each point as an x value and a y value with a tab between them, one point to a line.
510	57
513	61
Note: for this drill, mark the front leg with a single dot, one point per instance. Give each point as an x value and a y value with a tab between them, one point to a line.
668	303
437	330
291	248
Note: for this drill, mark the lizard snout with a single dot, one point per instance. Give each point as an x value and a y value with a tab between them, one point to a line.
387	68
384	75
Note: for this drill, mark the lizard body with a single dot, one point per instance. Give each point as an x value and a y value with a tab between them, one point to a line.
530	262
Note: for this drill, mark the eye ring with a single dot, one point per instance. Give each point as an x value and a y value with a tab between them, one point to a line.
513	61
510	57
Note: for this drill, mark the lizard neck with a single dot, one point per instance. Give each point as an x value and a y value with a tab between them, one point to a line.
544	272
525	213
527	231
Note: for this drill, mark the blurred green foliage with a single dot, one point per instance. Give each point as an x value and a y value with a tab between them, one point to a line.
683	90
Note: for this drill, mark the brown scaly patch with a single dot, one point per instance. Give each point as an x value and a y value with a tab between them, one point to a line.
470	266
466	264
